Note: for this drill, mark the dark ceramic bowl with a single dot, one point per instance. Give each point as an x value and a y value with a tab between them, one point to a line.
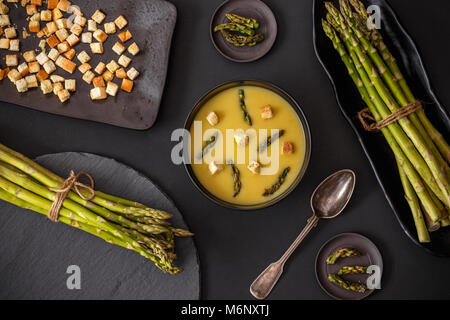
301	117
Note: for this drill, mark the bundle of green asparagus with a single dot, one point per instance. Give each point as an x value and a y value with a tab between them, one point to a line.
244	28
118	221
422	153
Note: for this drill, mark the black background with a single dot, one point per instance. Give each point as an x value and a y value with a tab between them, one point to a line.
234	247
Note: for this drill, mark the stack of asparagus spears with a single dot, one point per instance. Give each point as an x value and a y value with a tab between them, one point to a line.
244	28
118	221
422	153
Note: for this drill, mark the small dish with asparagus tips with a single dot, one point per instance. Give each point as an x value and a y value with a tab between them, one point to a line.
243	30
416	179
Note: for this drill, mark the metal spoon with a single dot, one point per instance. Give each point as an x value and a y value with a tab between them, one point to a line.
327	201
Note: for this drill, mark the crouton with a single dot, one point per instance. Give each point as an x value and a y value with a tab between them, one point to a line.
125	36
50	28
4	9
29	56
241	139
12	60
2	74
21	85
53	41
34	67
132	74
254	167
57	87
63	95
4	20
88	76
121	22
63	5
55	78
98	93
34	26
14	75
76	29
98	16
52	4
57	14
14	45
134	49
70	85
112	66
124	61
4	43
100	68
119	48
112	89
62	34
32	81
46	15
288	148
121	73
266	112
37	3
97	48
100	36
46	86
83	57
80	20
127	85
108	76
86	37
75	10
23	69
10	33
92	25
31	9
63	47
42	75
66	64
63	23
214	167
72	40
98	82
53	54
110	27
70	54
212	118
49	67
83	68
42	58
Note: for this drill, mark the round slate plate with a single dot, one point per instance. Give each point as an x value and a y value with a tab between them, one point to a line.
35	252
247	8
370	256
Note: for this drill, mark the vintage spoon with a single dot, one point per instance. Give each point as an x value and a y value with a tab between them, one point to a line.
327	202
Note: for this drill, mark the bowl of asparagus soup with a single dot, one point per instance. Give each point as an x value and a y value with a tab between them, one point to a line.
249	144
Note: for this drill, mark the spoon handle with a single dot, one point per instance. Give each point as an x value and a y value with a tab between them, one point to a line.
266	281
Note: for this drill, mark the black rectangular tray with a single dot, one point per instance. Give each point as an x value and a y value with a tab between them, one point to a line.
375	146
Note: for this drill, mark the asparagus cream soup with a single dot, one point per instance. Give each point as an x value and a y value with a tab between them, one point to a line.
253	168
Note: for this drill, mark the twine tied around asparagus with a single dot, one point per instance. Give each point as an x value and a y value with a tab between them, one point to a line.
70	183
401	113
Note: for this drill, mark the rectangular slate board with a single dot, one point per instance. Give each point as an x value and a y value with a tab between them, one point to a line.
151	22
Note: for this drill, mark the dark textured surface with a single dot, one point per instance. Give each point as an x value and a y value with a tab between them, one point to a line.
234	246
35	252
374	144
151	24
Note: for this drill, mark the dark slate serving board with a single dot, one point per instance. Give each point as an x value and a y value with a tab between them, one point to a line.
35	252
151	22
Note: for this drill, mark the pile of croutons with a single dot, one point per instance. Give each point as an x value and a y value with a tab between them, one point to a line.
61	35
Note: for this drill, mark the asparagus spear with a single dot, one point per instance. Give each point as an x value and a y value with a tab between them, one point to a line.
352	270
270	140
342	253
247	117
209	144
270	191
236	180
240	40
235	27
356	287
248	22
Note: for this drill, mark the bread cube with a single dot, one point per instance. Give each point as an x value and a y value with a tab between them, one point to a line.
23	69
100	68
70	54
112	66
52	4
92	25
32	81
80	20
53	41
98	16
63	5
119	48
121	22
42	75
4	20
112	89
63	47
4	9
132	74
55	78
46	15
42	58
14	45
62	34
212	118
98	82
100	36
57	14
254	167
4	43
83	57
34	67
10	33
288	148
34	26
75	10
66	64
57	87
42	44
22	85
241	139
88	76
70	85
110	27
63	23
29	56
97	48
124	61
46	86
134	49
72	40
98	93
14	75
121	73
12	60
53	54
85	67
31	9
214	167
63	95
127	85
37	3
86	37
76	29
108	76
51	28
49	67
266	112
2	74
125	36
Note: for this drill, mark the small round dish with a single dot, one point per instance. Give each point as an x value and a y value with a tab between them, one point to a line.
247	8
307	135
370	256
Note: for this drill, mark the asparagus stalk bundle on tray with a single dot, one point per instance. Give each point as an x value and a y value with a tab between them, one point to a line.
118	221
421	152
